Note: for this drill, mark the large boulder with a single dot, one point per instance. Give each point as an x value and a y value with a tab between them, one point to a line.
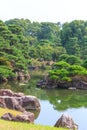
67	122
18	101
10	103
24	117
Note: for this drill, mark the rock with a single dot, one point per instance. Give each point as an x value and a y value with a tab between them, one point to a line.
2	103
67	122
20	75
30	103
18	101
6	92
18	94
41	84
8	116
72	88
13	103
24	117
33	67
77	82
4	79
10	103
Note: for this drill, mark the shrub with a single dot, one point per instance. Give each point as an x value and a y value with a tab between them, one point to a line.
6	72
63	71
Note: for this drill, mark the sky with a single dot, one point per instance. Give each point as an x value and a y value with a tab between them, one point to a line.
44	10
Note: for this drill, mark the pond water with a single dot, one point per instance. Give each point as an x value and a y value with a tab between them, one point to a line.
49	116
55	102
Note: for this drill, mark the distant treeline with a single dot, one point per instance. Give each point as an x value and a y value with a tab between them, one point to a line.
21	40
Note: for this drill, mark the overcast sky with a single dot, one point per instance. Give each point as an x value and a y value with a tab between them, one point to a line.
44	10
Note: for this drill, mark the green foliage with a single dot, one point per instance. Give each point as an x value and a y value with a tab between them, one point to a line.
63	71
4	61
49	31
6	72
74	38
84	64
68	79
21	40
54	77
63	57
61	64
72	59
20	65
77	70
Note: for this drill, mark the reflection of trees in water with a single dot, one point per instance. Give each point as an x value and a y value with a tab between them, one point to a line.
14	86
61	99
64	99
24	86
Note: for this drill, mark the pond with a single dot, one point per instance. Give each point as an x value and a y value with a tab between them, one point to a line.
55	102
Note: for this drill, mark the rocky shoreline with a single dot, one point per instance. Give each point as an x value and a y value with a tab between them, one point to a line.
19	102
20	75
25	103
79	82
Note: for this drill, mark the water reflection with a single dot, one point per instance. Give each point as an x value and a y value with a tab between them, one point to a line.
14	86
56	102
64	99
60	99
49	116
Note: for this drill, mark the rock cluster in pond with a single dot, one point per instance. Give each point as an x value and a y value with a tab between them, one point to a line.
78	82
67	122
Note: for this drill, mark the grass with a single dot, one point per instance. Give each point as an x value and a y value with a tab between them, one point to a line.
6	125
5	110
10	125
